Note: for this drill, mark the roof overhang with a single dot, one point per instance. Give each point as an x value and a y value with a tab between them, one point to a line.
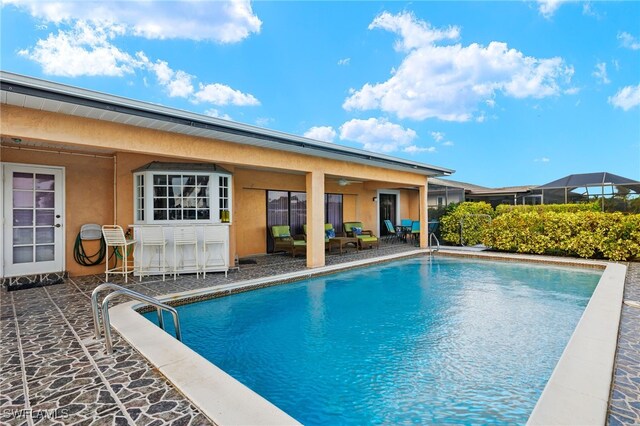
28	92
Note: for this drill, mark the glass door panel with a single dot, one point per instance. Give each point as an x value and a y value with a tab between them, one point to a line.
34	242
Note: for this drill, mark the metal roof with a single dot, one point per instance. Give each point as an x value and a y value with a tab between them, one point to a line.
457	184
29	92
589	179
192	167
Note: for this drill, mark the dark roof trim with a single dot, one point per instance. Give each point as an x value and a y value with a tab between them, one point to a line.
191	167
150	111
589	179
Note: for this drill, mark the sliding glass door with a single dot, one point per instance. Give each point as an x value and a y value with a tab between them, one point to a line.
290	208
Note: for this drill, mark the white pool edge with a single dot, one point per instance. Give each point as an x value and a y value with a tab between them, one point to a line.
215	393
577	392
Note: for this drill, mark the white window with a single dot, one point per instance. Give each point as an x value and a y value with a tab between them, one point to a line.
169	196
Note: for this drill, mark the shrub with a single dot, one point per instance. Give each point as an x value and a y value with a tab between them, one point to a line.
476	220
587	234
559	208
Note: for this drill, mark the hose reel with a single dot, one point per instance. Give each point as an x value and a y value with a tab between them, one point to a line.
89	232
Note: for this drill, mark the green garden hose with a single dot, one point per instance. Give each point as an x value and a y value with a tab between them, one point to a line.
81	256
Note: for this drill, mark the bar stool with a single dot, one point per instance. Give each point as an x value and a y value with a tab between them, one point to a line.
183	237
152	237
213	250
114	237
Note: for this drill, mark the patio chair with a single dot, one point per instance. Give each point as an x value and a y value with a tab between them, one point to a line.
327	234
185	237
391	231
284	241
404	229
153	239
366	238
415	231
122	248
214	249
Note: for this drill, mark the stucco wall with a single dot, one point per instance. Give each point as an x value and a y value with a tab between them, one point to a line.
88	191
90	182
250	214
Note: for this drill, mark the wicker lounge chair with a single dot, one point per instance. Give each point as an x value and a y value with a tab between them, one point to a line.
284	241
366	238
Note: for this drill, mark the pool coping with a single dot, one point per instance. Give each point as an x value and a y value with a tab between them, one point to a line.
219	396
576	393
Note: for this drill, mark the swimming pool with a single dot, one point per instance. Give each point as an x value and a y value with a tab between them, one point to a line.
442	341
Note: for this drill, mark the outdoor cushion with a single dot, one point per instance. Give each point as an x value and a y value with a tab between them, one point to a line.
367	239
331	233
356	230
299	243
281	231
348	226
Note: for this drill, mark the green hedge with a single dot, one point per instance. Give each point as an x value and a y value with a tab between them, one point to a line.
558	208
474	226
587	234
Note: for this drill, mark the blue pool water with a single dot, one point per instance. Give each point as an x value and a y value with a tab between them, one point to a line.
416	341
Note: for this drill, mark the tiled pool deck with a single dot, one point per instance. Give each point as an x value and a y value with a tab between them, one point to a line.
53	372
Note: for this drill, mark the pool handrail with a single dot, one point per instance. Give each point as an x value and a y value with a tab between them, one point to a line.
432	236
121	291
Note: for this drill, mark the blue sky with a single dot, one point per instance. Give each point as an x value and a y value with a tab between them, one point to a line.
505	93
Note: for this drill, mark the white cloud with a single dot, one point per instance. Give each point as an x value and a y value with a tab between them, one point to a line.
321	133
377	134
221	94
264	121
548	8
601	73
218	21
437	136
589	10
626	98
542	160
415	149
217	114
414	33
571	91
177	83
628	41
344	61
616	64
450	82
86	49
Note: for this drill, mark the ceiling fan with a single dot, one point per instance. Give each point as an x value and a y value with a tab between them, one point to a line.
345	182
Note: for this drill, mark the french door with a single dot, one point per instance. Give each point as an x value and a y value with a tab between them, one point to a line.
388	204
33	237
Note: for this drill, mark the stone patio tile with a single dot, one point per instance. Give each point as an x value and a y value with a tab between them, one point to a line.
61	376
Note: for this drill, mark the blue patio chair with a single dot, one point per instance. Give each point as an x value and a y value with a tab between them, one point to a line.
391	230
415	231
404	229
433	226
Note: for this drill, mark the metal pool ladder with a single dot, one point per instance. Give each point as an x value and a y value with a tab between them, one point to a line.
118	291
432	236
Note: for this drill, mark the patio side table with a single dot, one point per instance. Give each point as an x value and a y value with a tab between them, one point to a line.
341	243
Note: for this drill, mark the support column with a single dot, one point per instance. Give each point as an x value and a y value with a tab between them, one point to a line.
315	219
424	216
